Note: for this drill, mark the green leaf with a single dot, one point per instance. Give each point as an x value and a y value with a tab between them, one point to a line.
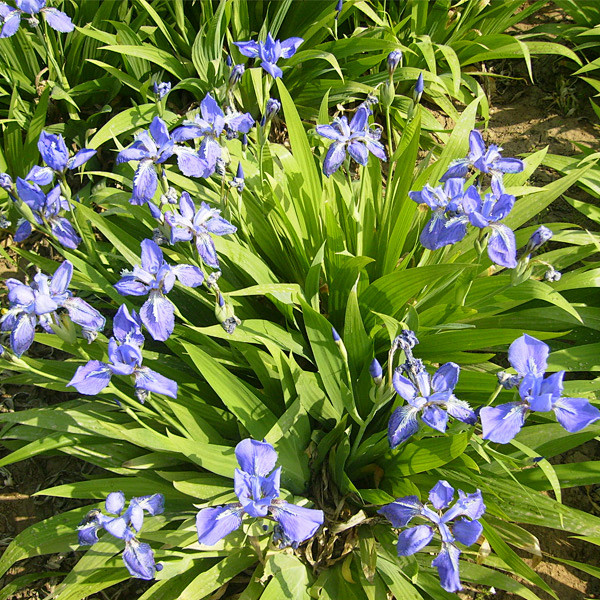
159	57
425	455
212	579
290	578
238	398
509	556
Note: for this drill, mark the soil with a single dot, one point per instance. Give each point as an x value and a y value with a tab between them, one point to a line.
553	111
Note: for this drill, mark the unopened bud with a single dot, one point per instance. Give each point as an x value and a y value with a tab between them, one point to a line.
376	371
393	60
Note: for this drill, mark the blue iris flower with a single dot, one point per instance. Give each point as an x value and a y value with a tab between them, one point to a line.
55	154
150	148
40	303
486	160
199	225
208	125
155	278
431	397
529	357
46	209
270	52
138	556
10	18
448	223
502	247
125	355
356	138
256	485
458	524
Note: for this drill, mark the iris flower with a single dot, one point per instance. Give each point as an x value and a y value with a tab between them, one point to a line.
431	397
189	223
270	52
448	221
40	303
208	125
256	485
529	357
10	18
502	247
150	148
155	278
486	160
356	138
55	154
46	209
125	355
138	556
458	524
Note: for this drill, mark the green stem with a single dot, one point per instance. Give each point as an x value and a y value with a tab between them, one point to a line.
388	126
494	395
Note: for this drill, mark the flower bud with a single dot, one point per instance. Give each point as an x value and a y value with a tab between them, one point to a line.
393	60
6	182
273	107
238	181
419	87
161	89
539	237
236	75
225	315
376	371
507	381
338	8
552	275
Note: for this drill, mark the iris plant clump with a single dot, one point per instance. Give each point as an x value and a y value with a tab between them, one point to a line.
459	523
256	485
137	556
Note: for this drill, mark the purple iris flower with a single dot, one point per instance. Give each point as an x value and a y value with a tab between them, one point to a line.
46	209
10	18
155	278
486	213
357	138
55	154
270	52
258	494
138	556
189	223
448	223
458	524
486	160
209	126
125	355
529	357
432	397
39	303
152	147
502	247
